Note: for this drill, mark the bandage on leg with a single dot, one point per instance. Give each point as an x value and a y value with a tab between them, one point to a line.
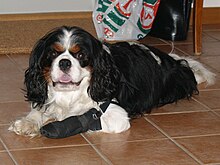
73	125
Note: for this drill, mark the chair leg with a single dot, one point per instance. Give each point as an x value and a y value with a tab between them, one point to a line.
197	20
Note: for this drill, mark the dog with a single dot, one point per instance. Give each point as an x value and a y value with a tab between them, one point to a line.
71	72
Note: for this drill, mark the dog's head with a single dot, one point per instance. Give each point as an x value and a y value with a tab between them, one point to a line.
66	57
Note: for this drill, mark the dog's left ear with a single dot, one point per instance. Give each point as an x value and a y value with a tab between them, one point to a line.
105	75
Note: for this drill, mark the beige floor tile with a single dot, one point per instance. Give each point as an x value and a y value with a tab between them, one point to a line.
15	142
188	124
208	49
147	152
1	147
216	85
21	60
212	61
210	98
80	155
214	34
11	111
5	159
11	81
207	148
180	107
140	130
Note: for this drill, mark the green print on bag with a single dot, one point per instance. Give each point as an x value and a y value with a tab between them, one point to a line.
147	15
124	19
116	18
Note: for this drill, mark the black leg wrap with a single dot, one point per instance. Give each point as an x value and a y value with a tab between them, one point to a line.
73	125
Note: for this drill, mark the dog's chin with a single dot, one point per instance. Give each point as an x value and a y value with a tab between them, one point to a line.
67	86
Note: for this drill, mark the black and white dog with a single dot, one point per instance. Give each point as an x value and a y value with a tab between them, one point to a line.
71	72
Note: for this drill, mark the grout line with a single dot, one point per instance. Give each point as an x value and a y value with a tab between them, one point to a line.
97	151
214	89
187	54
158	44
15	63
9	153
174	141
14	101
211	30
49	147
217	114
195	136
204	105
212	36
4	124
134	141
176	113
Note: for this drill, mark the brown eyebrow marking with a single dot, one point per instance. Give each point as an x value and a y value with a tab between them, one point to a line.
58	47
75	49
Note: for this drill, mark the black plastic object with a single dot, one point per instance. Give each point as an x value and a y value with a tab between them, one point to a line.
172	20
73	125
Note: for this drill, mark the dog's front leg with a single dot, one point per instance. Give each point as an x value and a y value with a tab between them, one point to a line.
31	124
115	120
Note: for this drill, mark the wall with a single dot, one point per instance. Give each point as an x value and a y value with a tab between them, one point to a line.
42	6
211	3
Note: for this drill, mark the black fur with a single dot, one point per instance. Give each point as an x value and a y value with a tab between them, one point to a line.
144	84
129	73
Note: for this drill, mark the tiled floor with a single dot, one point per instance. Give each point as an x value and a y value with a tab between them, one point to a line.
184	133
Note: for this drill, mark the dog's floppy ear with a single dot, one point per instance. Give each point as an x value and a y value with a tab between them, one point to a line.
36	85
105	75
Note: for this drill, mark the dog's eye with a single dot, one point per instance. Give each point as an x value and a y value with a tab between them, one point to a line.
79	56
53	53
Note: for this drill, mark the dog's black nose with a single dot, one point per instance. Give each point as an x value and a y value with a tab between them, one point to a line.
65	64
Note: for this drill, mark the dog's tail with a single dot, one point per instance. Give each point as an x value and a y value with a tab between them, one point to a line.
201	73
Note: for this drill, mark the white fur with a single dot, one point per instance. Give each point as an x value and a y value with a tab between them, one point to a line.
115	120
201	73
106	49
66	38
146	48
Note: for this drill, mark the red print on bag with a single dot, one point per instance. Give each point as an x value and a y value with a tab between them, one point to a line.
148	13
108	32
123	8
147	16
99	18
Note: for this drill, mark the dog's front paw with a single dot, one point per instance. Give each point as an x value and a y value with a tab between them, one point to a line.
25	127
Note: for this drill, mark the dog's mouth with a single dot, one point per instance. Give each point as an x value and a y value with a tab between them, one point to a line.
69	83
65	83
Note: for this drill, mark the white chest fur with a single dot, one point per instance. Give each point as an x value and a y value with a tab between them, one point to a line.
64	104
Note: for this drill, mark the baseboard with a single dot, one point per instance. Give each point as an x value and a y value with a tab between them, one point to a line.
28	28
45	16
211	15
